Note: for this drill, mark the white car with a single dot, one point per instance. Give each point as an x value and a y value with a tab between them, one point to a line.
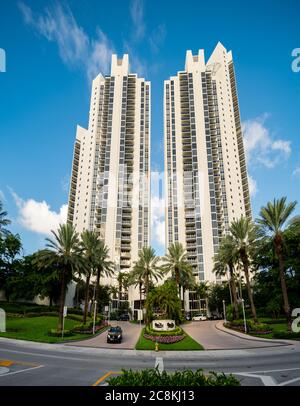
199	317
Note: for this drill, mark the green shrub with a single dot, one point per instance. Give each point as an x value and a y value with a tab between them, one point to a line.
57	333
252	326
40	314
177	331
286	335
230	311
153	377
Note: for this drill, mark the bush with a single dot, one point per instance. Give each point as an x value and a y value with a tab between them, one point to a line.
258	327
164	339
57	333
286	335
40	314
177	331
153	377
230	311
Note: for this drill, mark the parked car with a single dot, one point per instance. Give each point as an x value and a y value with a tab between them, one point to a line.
124	317
199	317
114	335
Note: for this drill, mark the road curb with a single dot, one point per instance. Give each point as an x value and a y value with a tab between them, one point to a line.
219	326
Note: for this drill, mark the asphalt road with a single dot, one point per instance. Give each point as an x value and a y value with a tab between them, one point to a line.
25	363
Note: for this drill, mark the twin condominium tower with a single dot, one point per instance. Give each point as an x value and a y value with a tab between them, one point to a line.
206	184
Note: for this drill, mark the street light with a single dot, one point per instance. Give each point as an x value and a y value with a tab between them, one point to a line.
95	306
224	311
245	323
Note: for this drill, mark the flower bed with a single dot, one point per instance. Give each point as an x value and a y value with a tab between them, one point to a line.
88	329
164	339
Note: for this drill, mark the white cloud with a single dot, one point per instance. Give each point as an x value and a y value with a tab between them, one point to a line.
157	220
2	196
157	37
137	15
38	217
260	147
252	186
296	172
76	49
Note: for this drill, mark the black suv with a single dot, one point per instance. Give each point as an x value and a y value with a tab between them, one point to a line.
114	335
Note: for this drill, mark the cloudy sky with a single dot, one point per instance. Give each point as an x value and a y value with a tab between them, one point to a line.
54	49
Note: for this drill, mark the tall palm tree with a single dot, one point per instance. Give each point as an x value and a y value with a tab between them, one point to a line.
103	265
4	221
89	245
244	234
146	268
122	280
274	218
201	288
64	254
225	260
176	262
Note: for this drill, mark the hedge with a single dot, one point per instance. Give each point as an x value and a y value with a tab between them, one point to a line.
153	377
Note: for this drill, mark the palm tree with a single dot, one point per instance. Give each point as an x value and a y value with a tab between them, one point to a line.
225	260
201	290
64	254
146	268
89	245
103	265
245	235
122	280
176	262
3	220
273	221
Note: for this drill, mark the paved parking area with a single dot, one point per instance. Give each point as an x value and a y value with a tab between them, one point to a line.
206	333
131	333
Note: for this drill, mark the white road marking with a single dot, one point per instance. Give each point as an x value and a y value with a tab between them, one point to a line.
159	364
3	370
288	382
22	370
266	379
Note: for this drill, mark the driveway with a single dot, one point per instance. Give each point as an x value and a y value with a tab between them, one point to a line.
131	333
207	334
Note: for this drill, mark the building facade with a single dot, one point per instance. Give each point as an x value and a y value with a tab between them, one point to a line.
205	168
110	180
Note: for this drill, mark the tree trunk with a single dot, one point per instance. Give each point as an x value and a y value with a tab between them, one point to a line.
61	301
177	279
250	296
233	292
286	305
86	298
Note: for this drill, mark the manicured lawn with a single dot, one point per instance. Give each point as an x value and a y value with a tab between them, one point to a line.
36	329
280	327
184	345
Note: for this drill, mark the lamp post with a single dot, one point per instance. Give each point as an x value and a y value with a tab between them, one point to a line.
94	322
245	323
224	311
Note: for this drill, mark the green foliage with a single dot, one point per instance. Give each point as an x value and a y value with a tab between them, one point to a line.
153	377
56	333
177	331
286	335
164	299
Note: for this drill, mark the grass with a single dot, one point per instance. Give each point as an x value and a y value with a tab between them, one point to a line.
36	329
184	345
280	327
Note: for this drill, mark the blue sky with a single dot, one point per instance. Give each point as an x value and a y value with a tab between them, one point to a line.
53	49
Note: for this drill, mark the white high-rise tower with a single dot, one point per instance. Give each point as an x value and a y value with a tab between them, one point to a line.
206	175
110	178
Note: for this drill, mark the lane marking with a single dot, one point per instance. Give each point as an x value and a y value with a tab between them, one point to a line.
266	379
102	378
23	370
6	363
288	382
269	370
159	364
